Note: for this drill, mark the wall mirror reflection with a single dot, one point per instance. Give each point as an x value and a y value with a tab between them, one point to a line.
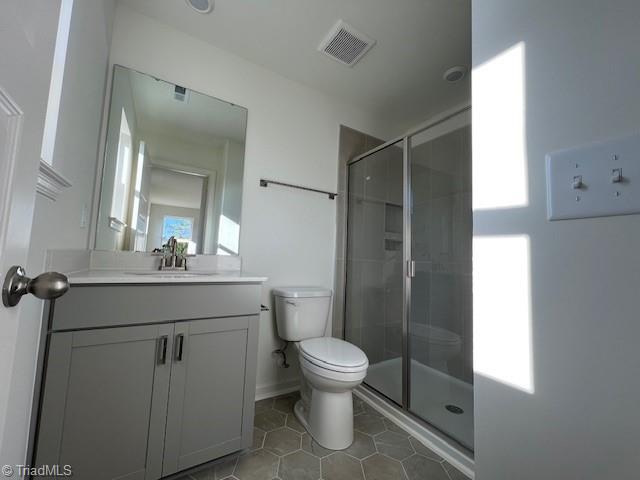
173	167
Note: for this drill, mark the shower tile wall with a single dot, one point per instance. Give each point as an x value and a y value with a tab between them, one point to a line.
441	245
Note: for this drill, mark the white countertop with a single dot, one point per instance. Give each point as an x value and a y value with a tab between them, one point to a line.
88	277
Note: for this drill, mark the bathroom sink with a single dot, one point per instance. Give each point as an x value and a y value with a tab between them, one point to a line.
170	274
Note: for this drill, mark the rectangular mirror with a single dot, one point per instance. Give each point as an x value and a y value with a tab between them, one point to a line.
173	166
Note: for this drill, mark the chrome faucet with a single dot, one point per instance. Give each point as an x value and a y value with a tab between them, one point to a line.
173	261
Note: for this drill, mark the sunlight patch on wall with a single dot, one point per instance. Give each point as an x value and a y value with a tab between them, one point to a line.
499	142
502	310
57	77
229	237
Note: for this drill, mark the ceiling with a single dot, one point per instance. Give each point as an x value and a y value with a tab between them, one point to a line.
200	119
175	189
399	78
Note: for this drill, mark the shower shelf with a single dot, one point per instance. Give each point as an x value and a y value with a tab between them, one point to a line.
392	241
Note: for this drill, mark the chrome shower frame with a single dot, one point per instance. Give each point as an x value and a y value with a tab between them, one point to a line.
408	268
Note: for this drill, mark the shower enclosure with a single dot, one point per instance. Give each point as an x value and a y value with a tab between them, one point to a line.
408	272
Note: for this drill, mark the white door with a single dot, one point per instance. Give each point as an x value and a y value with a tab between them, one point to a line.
27	40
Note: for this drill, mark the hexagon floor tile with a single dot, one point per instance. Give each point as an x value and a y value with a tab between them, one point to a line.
394	445
380	467
282	441
282	450
299	465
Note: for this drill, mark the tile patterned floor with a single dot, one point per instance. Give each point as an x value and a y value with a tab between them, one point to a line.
283	450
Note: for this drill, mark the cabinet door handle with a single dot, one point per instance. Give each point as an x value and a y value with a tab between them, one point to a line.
177	347
161	353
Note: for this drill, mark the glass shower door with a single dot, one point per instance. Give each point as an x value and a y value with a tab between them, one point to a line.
440	324
374	283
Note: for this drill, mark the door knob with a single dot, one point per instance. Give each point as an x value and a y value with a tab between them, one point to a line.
47	286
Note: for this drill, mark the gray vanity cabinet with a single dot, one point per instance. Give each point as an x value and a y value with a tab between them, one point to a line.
141	402
105	402
205	415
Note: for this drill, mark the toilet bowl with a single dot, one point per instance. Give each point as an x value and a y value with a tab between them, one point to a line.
331	368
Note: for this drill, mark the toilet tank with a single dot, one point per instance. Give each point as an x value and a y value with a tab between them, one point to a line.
301	312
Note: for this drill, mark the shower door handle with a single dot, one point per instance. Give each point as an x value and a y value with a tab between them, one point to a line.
411	268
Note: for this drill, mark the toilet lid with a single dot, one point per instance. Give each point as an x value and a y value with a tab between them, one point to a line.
301	292
334	354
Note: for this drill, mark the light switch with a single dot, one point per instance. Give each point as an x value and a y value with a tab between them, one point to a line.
588	181
577	182
616	175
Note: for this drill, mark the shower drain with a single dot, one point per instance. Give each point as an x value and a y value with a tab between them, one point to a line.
454	409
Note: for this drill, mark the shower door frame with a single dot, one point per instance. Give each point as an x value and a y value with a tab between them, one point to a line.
408	265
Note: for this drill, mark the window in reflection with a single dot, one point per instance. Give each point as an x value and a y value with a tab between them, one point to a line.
177	208
179	227
123	172
140	210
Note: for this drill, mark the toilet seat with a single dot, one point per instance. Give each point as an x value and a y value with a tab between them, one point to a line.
339	377
333	354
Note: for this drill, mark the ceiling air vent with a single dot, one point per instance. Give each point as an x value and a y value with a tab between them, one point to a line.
180	94
345	44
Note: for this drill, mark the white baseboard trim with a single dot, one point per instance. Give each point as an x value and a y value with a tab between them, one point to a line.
268	391
450	453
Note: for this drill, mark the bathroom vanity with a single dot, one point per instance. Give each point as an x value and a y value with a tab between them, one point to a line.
148	373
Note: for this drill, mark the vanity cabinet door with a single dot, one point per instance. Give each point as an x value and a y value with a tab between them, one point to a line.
207	415
105	401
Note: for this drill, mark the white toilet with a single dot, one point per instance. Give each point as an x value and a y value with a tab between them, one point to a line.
331	368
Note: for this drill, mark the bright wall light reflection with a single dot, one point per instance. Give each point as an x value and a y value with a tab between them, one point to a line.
502	310
228	237
499	143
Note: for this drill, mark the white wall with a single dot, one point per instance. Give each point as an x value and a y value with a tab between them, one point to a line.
556	358
56	225
78	131
292	135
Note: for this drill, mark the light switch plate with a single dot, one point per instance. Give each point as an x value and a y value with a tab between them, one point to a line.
582	182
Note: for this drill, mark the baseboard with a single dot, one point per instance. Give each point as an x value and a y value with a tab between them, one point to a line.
449	452
268	391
